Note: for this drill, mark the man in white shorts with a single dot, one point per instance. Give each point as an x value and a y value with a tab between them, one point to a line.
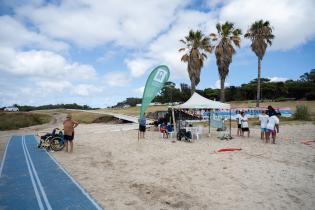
245	127
239	123
263	118
272	127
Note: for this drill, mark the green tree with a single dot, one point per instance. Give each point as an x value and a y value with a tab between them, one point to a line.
260	33
185	92
308	77
227	36
197	45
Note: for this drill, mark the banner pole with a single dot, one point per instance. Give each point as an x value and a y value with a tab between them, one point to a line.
209	121
174	122
230	124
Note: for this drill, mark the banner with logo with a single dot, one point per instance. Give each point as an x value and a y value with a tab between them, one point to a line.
154	84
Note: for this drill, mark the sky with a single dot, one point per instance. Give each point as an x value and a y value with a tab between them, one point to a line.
99	52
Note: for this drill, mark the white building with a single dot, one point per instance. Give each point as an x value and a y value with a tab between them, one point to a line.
11	109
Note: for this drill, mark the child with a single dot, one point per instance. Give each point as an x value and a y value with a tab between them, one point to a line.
263	118
272	127
163	129
239	123
244	121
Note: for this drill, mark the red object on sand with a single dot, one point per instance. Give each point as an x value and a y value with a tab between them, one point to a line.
229	149
307	142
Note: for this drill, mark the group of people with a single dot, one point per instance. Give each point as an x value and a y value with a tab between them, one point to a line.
162	123
269	124
166	129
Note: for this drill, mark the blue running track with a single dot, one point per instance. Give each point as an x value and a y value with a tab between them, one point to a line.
31	178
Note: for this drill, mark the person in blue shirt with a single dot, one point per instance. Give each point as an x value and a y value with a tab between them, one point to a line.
142	125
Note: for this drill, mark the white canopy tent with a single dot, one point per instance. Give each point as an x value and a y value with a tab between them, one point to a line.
197	101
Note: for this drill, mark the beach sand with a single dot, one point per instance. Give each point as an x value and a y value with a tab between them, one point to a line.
155	173
122	173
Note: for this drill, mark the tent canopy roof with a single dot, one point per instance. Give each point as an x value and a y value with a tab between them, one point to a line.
197	101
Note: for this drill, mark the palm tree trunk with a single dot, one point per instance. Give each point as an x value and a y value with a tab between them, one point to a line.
222	95
258	83
193	87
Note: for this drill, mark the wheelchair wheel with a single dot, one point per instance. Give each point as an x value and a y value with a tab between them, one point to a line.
57	143
179	136
45	143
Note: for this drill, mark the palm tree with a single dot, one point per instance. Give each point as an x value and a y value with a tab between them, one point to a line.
197	45
227	37
260	33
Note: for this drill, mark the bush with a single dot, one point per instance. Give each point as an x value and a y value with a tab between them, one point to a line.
16	120
302	113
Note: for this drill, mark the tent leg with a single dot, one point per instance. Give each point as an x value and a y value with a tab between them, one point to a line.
209	121
230	124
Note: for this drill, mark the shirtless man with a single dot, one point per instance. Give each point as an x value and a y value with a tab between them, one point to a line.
68	126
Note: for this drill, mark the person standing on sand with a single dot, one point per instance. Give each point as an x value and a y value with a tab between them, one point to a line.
263	118
239	123
142	125
68	126
271	111
272	126
245	127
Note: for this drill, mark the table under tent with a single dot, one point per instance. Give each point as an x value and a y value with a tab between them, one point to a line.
201	109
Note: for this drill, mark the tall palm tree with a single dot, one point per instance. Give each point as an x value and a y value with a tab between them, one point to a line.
197	45
226	38
260	33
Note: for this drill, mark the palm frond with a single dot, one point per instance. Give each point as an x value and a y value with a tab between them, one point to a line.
181	49
183	41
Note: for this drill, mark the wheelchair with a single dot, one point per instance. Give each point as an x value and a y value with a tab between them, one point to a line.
52	141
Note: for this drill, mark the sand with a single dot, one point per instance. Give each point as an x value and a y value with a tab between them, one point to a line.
122	173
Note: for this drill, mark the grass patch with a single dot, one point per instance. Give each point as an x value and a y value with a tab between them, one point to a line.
83	117
16	120
302	113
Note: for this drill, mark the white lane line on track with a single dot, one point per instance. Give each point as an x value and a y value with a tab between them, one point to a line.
39	201
4	156
36	177
76	183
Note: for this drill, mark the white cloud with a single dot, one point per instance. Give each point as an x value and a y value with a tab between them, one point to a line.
53	86
291	27
293	21
91	23
117	79
85	89
138	66
42	64
277	79
139	90
164	50
14	34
